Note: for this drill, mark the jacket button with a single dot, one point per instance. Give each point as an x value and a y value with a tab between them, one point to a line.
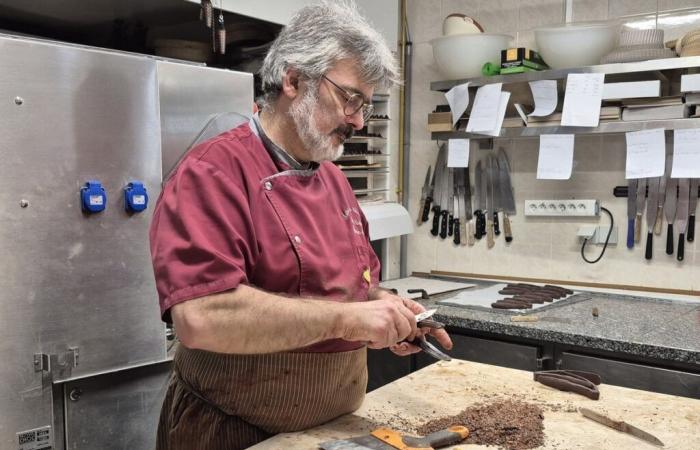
268	186
297	239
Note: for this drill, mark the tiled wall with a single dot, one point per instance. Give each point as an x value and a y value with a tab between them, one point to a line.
542	247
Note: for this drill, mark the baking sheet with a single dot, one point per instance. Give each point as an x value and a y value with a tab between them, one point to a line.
484	296
432	286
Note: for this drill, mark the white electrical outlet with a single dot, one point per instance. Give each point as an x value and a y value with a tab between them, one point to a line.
570	207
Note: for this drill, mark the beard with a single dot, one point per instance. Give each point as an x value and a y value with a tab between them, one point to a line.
320	146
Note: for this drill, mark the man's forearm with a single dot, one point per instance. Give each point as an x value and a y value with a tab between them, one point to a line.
248	320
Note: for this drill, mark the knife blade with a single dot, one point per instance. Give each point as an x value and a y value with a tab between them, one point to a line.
652	202
480	188
489	203
387	439
620	425
692	205
497	197
641	199
445	195
662	195
426	198
682	214
670	211
631	210
506	193
437	194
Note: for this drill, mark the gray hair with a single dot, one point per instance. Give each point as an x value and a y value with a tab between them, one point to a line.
320	35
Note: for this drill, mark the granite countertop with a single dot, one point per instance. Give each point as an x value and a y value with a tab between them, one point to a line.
658	328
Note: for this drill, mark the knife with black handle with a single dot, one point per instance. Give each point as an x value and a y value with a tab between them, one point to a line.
631	210
682	214
691	209
652	201
670	211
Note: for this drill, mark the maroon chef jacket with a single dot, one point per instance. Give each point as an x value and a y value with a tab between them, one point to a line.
233	214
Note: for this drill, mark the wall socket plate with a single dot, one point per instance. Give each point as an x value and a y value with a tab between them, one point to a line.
562	207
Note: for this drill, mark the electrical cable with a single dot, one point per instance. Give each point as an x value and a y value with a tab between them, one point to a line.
607	239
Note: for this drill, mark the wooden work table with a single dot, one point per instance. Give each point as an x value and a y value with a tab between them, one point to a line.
446	388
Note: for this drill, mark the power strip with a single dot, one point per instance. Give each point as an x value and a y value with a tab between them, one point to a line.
570	207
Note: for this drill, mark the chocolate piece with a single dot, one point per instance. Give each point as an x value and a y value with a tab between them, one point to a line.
566	291
590	376
578	385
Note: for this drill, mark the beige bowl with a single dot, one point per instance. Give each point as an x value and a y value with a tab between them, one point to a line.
460	24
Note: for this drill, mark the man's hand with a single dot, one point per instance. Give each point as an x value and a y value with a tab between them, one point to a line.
404	348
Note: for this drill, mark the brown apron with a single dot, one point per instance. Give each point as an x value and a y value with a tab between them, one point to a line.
220	401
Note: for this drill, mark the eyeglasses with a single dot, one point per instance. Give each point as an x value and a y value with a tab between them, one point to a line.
354	102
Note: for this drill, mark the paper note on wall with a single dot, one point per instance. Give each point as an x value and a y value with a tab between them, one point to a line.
503	105
646	153
584	92
458	99
458	153
686	154
556	157
484	115
544	92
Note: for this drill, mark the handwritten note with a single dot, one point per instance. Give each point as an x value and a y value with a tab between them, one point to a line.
458	99
584	92
484	115
458	153
686	154
544	92
503	105
646	153
556	158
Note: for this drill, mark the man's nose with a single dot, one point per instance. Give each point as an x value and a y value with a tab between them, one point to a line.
356	119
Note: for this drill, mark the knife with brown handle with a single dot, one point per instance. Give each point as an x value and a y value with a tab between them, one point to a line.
682	214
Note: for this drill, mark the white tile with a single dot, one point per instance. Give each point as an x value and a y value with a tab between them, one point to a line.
590	10
535	13
499	16
618	8
424	19
467	7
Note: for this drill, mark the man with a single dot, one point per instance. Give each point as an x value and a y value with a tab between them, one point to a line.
261	252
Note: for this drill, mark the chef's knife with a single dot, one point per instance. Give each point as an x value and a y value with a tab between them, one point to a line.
631	210
620	425
447	213
670	211
662	195
469	230
426	198
386	439
691	208
506	193
457	178
641	198
497	200
652	202
682	214
437	194
480	187
445	196
489	203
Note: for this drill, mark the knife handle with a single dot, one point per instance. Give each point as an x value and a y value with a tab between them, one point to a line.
630	233
424	213
681	247
659	220
442	438
436	221
489	234
457	239
471	234
648	252
443	224
450	225
638	228
478	218
691	228
506	228
496	226
669	239
463	232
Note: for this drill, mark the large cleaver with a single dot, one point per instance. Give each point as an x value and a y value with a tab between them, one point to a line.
386	439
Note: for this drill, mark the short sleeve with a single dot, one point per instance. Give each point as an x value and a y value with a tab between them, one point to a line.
202	237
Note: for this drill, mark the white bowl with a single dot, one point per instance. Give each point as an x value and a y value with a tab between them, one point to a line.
576	45
463	55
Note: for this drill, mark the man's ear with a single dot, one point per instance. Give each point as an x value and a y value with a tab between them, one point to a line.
290	83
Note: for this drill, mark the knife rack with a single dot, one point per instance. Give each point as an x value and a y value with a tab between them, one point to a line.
621	191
